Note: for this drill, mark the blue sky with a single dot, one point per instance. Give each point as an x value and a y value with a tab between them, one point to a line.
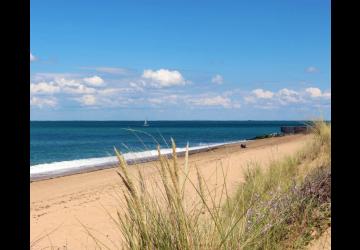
172	59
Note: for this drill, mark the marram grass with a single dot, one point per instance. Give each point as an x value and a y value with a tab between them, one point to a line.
283	207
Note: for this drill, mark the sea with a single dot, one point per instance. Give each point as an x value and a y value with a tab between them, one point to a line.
61	147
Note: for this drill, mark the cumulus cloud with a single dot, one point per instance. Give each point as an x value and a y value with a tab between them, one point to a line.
113	91
58	85
100	100
260	93
217	79
312	69
192	101
164	78
32	57
138	86
54	83
44	88
212	101
79	89
43	102
94	81
265	99
149	90
316	92
87	91
65	82
288	96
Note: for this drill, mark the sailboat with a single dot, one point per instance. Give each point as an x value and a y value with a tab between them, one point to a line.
146	123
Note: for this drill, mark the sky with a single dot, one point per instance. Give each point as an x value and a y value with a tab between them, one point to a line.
180	60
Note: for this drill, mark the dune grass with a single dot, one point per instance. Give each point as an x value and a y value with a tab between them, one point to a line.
284	206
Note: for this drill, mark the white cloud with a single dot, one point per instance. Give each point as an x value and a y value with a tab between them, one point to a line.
192	101
79	89
261	99
100	100
84	94
263	94
63	82
44	88
164	78
112	91
288	96
125	91
312	69
138	86
88	100
42	102
218	79
94	81
287	92
212	101
314	92
283	96
70	86
32	57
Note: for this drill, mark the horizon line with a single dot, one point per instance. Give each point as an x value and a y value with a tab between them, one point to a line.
166	120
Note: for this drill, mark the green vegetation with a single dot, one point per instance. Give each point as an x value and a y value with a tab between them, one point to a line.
284	206
266	136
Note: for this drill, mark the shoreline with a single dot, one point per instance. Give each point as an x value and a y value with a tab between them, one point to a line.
52	170
65	168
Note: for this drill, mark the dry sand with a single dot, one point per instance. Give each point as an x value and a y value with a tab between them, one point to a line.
59	206
323	242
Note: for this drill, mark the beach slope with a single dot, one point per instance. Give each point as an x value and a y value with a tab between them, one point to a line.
64	210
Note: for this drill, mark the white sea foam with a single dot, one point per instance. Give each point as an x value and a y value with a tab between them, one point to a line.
62	168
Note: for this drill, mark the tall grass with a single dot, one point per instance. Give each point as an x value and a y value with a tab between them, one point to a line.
285	206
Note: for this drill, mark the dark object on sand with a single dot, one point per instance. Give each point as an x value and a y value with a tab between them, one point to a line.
243	146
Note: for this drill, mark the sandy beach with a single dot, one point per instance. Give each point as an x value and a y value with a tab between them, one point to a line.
63	209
